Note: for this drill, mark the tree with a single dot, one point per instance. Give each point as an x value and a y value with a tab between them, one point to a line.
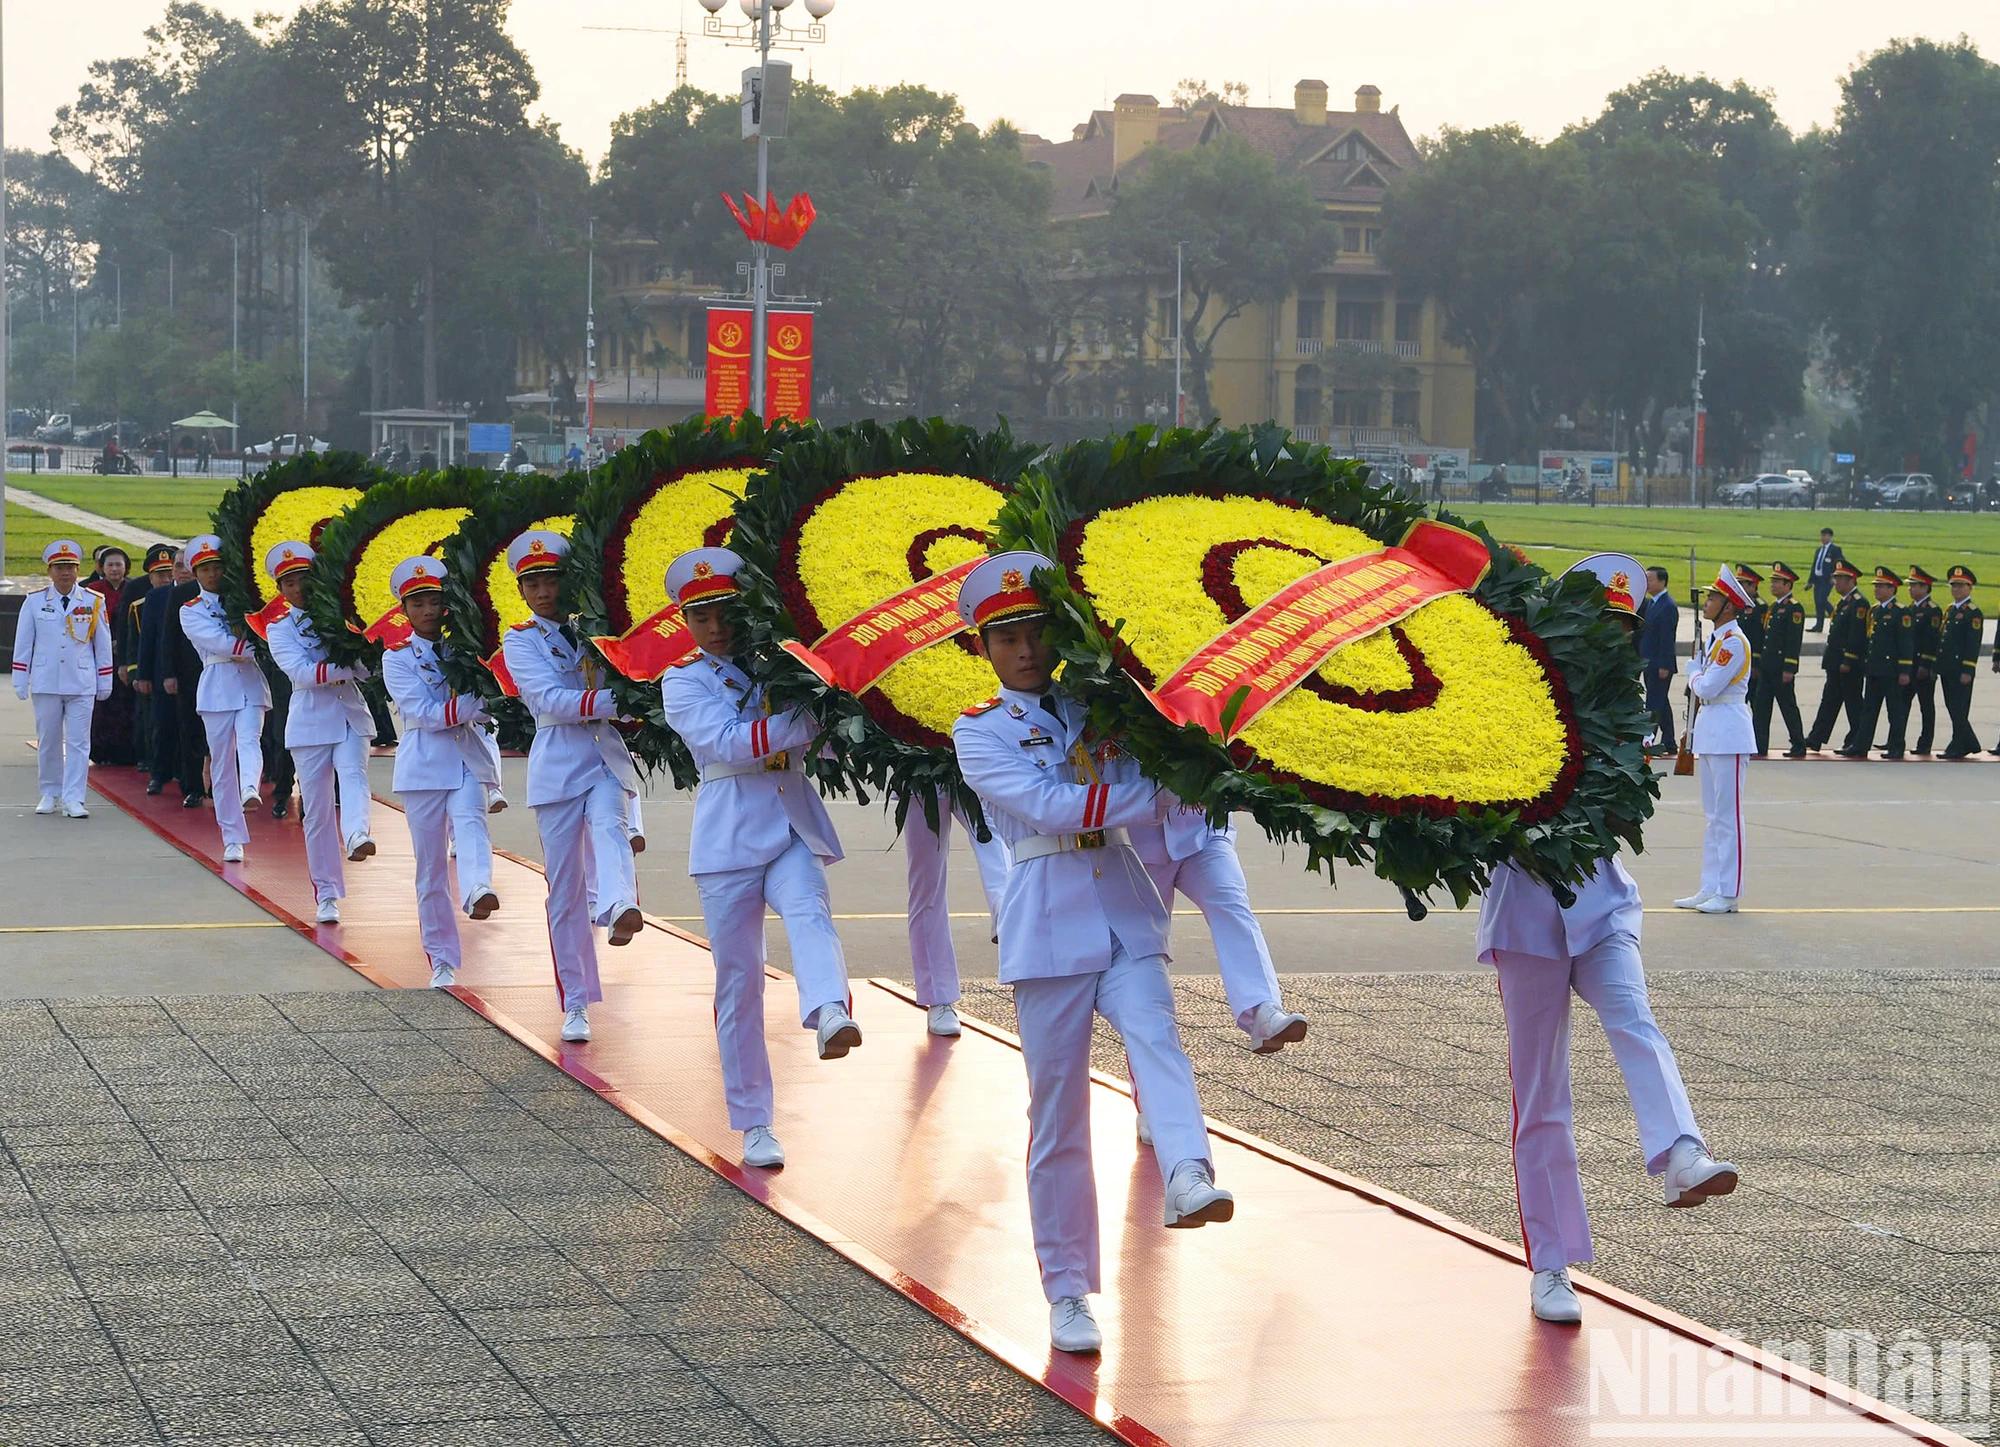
1253	237
1756	366
1192	94
1905	219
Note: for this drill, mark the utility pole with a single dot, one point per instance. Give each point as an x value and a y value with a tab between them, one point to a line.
590	340
305	329
1180	346
1698	429
760	288
234	243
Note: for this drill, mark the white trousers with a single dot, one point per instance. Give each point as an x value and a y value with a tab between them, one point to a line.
933	961
318	766
436	817
235	753
1534	995
584	838
62	744
1722	843
732	907
1212	879
1055	1017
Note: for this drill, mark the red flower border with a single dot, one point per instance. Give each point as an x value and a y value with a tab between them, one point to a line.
897	724
617	604
1532	811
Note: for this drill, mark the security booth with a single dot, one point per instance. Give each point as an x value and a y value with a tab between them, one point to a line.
443	434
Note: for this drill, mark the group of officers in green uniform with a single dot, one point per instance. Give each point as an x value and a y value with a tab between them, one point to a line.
1878	659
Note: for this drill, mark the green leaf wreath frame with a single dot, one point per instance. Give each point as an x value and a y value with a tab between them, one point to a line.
236	516
330	580
1603	798
871	745
471	624
593	583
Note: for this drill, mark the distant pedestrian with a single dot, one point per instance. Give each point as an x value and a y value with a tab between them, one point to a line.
1821	576
1660	622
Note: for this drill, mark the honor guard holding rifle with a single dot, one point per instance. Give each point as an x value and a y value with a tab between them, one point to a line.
1958	660
1083	933
62	656
1543	953
1886	674
1846	651
1719	679
327	729
761	836
1927	636
581	779
444	767
1776	668
231	698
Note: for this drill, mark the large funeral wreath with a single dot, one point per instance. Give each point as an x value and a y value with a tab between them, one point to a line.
1501	724
281	504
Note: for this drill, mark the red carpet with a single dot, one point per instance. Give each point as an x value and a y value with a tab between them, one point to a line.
1329	1311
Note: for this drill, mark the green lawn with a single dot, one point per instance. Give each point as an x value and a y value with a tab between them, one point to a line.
1558	536
29	532
179	508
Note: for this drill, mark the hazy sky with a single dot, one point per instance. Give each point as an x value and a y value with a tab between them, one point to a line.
1044	64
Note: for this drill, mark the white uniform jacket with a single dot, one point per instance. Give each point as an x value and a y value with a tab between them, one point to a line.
572	741
63	648
325	703
230	677
753	797
1518	915
1184	833
1720	678
442	740
1062	908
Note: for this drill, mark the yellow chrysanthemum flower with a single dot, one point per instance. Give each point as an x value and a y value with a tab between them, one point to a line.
290	518
500	587
673	520
422	531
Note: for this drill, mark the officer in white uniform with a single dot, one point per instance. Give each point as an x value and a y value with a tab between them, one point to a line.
1083	932
1725	737
327	728
231	699
1543	952
62	655
760	837
933	960
580	779
444	767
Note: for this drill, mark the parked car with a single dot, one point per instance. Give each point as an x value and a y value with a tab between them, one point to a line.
285	446
1768	489
57	429
1801	475
1908	489
127	433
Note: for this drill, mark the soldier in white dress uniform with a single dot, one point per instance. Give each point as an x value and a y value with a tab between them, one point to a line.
231	699
761	836
581	779
1542	953
1083	932
933	960
444	767
1725	736
327	729
62	655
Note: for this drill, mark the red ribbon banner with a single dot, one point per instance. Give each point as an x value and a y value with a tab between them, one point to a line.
260	622
647	650
1277	645
391	630
876	639
497	666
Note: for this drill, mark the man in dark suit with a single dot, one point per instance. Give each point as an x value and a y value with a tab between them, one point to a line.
1821	576
1659	626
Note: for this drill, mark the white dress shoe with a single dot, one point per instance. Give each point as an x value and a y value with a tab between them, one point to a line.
1693	1175
1145	1131
329	911
47	806
761	1148
1272	1029
1552	1298
576	1026
75	811
359	848
1193	1198
942	1020
838	1033
483	904
496	802
443	977
1717	904
625	923
251	797
1694	901
232	854
1072	1328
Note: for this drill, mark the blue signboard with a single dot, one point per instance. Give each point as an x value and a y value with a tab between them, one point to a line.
1845	459
490	437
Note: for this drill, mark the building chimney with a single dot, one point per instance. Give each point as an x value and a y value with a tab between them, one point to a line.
1309	102
1135	125
1368	100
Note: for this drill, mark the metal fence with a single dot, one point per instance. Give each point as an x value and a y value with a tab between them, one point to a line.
59	461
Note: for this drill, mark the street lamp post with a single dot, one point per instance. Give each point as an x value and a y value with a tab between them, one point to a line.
118	306
590	340
235	243
1180	346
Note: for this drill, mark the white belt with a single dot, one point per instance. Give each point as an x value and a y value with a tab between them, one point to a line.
1035	846
712	772
550	721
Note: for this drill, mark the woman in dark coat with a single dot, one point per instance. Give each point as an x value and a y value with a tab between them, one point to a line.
114	722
